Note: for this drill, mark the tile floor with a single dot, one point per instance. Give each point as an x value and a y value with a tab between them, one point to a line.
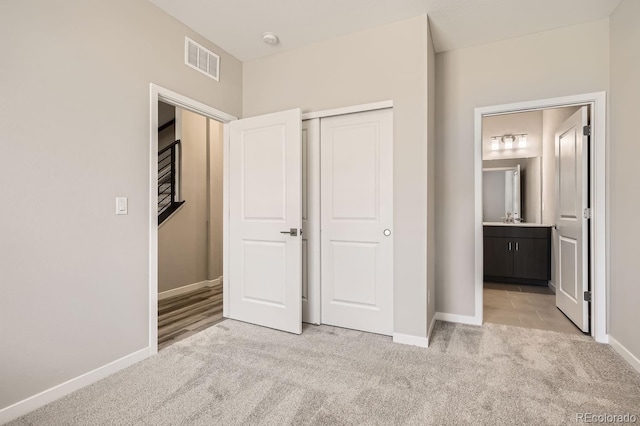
525	306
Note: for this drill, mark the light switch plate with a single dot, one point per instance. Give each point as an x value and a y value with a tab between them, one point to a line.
122	205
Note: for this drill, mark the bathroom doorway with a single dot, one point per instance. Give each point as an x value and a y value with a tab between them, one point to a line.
530	274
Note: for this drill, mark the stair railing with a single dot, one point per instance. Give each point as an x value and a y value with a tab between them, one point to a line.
168	195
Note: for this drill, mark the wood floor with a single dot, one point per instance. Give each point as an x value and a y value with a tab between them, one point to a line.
186	314
525	306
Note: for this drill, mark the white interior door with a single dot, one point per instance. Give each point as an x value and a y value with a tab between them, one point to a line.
265	259
311	221
356	221
572	191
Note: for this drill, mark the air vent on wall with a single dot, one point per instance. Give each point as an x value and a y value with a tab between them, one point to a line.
201	59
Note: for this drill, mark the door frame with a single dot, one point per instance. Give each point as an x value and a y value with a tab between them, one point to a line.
598	192
159	93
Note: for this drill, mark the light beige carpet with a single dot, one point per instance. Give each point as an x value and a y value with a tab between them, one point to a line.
236	373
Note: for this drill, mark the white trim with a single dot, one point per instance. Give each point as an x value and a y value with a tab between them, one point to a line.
460	319
348	110
176	99
45	397
430	330
226	217
406	339
153	220
158	93
625	353
478	230
189	287
598	271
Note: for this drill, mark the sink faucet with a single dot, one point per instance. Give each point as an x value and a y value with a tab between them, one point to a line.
509	218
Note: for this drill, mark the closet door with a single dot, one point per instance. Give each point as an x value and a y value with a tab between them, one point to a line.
357	220
311	221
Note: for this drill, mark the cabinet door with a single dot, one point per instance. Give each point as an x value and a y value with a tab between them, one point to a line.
531	259
498	256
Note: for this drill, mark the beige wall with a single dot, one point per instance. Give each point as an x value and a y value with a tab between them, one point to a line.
215	198
182	239
533	190
431	174
166	113
623	183
388	62
512	124
561	62
74	80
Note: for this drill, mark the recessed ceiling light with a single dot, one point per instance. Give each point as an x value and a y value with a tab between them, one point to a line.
270	38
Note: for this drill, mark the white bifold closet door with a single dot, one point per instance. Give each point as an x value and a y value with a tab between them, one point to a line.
265	198
311	221
357	221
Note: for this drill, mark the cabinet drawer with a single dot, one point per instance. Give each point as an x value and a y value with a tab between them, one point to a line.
514	231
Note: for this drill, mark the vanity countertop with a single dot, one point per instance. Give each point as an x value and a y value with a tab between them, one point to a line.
523	224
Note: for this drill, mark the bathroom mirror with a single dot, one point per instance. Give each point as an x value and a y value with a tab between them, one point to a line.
501	194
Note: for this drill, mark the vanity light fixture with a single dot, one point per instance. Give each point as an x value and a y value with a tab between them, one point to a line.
495	144
508	141
522	141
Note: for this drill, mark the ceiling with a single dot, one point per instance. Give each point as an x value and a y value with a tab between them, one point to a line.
237	25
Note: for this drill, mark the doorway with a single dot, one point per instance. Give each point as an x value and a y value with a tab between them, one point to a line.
523	268
185	278
189	223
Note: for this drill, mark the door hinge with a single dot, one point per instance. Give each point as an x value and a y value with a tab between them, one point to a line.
587	296
586	130
586	213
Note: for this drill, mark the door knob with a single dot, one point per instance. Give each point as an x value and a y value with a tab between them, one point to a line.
386	232
293	232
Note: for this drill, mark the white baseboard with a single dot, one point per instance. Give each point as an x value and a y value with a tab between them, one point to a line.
430	331
189	287
460	319
43	398
406	339
625	353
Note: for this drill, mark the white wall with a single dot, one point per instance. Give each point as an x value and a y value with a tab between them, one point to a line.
570	60
388	62
75	80
624	152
